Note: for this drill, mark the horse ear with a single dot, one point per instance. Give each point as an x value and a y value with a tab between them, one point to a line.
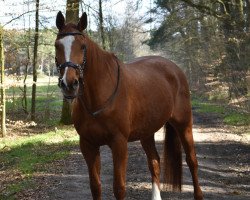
60	21
82	24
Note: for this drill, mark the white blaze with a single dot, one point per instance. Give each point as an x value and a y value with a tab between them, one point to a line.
67	44
156	192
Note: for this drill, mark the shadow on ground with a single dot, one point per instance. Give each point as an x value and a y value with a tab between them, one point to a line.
223	172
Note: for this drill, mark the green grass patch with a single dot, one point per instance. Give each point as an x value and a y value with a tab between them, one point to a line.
27	155
237	119
207	107
24	153
15	188
229	116
48	103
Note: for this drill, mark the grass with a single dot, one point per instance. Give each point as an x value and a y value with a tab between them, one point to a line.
24	156
24	153
15	188
237	119
48	103
207	107
229	116
28	155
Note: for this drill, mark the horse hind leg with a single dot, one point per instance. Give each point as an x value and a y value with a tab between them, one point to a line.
153	164
184	130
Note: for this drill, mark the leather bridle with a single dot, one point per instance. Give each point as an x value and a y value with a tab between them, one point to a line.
81	68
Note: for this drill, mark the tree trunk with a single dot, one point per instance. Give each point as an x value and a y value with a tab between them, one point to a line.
72	11
2	108
24	99
72	15
101	25
247	12
33	98
236	68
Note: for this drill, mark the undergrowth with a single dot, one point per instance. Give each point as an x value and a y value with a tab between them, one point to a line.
229	115
27	155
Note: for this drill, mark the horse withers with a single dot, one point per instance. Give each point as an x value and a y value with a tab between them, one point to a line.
116	103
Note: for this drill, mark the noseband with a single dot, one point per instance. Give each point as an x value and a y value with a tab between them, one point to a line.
79	67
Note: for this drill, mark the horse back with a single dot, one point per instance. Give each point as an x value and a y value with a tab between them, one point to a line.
155	75
154	85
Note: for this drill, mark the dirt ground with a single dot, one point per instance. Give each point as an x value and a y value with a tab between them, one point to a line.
223	157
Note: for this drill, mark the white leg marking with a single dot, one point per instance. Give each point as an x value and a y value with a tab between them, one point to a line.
67	43
156	195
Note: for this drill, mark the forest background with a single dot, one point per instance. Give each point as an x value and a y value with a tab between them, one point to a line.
209	40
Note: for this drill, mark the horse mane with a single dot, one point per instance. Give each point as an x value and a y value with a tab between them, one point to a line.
96	53
101	59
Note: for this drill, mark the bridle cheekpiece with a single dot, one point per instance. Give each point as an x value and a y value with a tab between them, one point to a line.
79	67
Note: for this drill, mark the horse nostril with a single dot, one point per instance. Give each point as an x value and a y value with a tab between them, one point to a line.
75	84
62	84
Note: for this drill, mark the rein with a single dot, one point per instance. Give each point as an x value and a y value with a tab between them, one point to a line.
81	68
109	100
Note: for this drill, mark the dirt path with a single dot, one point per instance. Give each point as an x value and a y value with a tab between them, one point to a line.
223	159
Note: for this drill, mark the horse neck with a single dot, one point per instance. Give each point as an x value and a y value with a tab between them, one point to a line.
100	76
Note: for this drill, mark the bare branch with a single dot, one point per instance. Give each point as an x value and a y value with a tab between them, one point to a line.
19	16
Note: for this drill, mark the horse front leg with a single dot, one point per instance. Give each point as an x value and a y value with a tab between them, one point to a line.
92	157
149	147
120	157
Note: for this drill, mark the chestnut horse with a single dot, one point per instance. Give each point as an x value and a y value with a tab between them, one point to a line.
116	103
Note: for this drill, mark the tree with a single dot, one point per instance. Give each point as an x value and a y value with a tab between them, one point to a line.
27	44
72	15
72	11
126	37
209	38
235	64
2	87
35	63
101	26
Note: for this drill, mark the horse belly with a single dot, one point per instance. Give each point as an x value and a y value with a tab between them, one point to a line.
148	121
152	90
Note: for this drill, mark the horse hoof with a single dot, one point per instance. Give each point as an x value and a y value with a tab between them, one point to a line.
198	197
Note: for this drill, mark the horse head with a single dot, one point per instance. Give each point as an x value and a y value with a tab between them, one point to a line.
70	51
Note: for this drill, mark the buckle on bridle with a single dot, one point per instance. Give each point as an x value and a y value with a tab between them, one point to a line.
73	65
79	67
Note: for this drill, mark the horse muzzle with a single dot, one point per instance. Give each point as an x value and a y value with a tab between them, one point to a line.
70	89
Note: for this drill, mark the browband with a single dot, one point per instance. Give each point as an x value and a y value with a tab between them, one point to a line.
70	33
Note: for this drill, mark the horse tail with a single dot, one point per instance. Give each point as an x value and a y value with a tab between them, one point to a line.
172	165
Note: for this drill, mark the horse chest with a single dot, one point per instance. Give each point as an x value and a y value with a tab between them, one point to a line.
93	131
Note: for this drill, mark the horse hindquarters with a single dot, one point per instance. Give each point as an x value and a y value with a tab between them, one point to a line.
172	169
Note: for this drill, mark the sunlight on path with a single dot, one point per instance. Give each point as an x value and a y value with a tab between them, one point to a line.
211	135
